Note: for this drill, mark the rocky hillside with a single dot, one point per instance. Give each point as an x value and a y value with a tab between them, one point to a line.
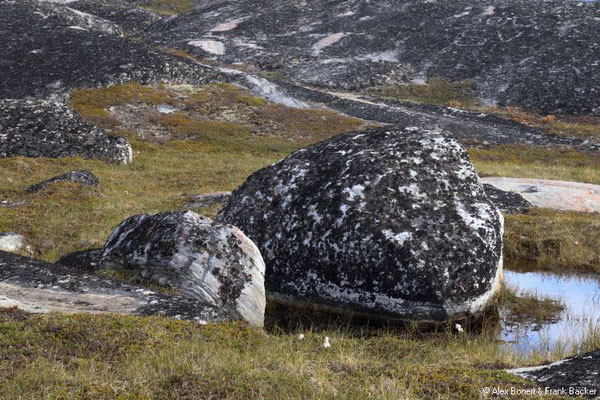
536	54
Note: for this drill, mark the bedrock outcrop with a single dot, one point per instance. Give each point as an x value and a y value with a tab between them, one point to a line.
575	376
49	48
44	128
392	222
539	54
213	262
41	287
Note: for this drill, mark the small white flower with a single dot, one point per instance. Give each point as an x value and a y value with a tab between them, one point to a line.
326	343
301	336
459	328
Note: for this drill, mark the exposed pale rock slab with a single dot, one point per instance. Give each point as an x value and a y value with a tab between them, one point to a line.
558	195
390	222
38	286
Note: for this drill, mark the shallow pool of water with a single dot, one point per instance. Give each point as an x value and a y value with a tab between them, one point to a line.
580	295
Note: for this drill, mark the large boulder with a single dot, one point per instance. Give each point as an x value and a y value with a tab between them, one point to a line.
42	128
212	262
390	222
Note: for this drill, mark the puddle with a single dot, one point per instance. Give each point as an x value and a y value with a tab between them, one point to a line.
579	294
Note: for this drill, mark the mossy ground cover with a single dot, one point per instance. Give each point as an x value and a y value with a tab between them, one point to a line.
167	7
91	356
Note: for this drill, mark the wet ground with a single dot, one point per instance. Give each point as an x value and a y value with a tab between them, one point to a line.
579	294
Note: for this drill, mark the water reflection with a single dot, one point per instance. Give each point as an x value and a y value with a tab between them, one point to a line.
580	295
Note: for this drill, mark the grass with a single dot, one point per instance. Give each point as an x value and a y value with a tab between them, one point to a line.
565	126
109	356
536	162
225	135
528	306
434	91
167	7
554	240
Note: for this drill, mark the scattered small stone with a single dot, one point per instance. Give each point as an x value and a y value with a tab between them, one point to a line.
213	262
11	242
12	204
82	176
166	109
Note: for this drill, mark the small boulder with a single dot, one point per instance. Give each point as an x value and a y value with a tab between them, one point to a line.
11	242
508	202
82	176
209	199
389	222
212	262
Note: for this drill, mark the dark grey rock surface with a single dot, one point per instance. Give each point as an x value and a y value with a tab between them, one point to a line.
391	222
86	260
539	54
577	376
43	128
508	202
46	287
82	176
213	262
45	52
126	14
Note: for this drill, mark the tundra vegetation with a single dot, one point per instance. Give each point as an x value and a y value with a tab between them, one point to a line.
216	136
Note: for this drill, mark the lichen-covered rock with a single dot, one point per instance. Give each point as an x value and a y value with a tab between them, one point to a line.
212	262
46	52
391	222
42	128
535	54
11	242
126	14
82	176
86	260
508	202
41	287
577	376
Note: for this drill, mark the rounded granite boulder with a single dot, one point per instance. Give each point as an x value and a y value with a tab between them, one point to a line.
390	222
211	262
